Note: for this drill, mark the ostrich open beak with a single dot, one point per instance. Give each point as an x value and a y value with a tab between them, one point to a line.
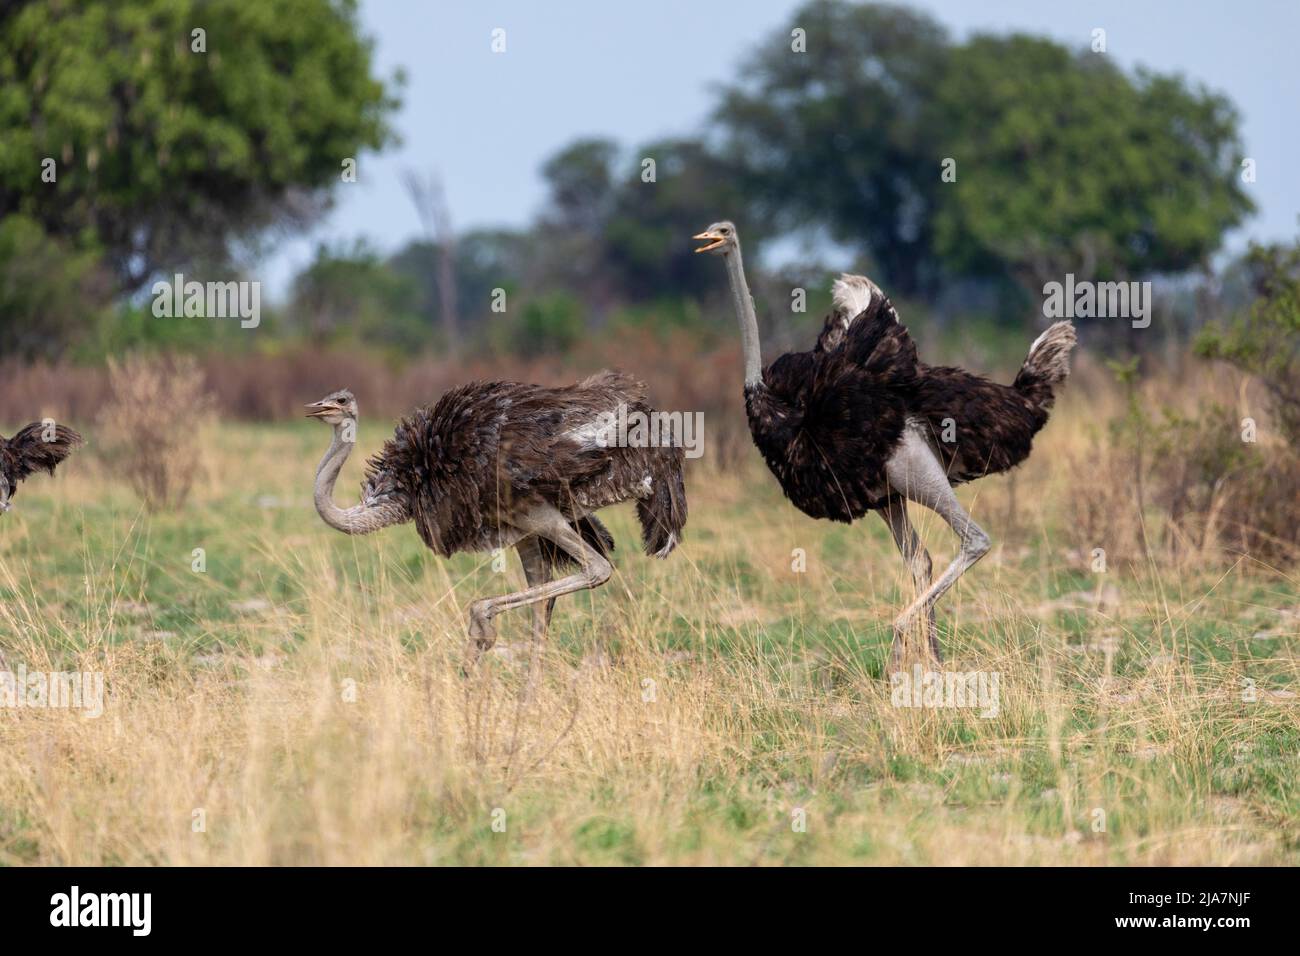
716	240
317	409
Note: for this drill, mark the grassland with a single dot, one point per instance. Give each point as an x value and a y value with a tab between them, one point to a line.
302	697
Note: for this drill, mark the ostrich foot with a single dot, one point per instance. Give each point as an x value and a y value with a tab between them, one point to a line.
930	652
935	651
896	651
482	632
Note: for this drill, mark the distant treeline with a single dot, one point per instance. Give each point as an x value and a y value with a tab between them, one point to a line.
963	176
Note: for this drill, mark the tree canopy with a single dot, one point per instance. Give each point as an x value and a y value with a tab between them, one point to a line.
158	132
835	137
1057	159
1064	163
164	135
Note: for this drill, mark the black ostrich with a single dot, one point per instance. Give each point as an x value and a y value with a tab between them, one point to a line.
859	424
38	447
502	464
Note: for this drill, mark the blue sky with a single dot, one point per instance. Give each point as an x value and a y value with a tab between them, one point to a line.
638	70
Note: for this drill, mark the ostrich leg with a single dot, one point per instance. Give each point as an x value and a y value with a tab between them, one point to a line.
547	522
537	570
918	561
916	473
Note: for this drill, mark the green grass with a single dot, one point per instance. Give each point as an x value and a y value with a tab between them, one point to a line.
768	691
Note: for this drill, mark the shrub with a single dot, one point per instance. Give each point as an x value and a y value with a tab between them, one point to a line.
1197	463
1185	480
1265	341
150	431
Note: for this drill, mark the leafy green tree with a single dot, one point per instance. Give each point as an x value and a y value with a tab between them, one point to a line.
569	237
50	294
834	137
350	294
548	323
617	225
1060	161
178	127
580	181
1064	163
647	238
486	260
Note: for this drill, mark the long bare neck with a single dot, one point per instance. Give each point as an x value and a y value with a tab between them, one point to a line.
360	518
743	303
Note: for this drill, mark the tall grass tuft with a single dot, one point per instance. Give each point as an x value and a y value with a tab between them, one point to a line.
151	429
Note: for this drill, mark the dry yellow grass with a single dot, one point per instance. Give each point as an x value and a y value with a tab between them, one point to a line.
303	698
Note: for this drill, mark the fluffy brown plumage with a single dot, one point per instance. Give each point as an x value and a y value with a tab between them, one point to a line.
488	449
505	464
29	452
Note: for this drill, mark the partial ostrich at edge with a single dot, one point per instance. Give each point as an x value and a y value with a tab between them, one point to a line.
29	451
856	424
501	464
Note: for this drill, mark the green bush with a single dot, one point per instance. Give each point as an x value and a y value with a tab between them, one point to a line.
549	323
1265	341
50	294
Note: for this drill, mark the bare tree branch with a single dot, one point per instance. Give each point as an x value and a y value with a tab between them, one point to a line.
430	200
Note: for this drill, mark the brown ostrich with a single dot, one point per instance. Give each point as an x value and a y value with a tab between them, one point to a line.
502	464
40	446
860	424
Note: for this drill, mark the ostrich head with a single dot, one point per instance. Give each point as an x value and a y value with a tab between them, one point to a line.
722	238
335	408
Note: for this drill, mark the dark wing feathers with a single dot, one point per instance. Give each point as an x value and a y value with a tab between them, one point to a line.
881	347
28	451
991	426
826	421
840	324
832	334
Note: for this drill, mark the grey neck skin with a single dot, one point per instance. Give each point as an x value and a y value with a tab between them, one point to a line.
360	518
744	305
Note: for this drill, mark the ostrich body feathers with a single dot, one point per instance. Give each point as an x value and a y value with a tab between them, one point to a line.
487	450
826	421
28	452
